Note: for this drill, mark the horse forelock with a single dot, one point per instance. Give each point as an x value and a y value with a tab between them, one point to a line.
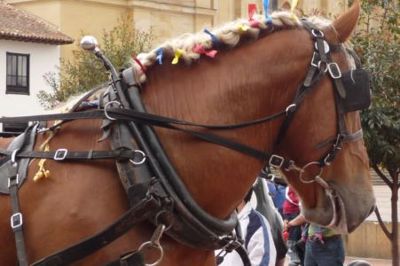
228	35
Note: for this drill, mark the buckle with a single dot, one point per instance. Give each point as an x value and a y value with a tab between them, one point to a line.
60	154
11	179
326	46
317	33
16	221
334	70
329	158
315	59
276	161
232	242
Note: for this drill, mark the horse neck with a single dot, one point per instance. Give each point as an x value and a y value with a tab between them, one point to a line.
246	83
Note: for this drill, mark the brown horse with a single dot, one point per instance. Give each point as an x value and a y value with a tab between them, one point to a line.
253	80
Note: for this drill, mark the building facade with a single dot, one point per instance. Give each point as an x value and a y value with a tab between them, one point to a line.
29	48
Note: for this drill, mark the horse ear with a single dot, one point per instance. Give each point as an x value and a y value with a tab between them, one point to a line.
346	23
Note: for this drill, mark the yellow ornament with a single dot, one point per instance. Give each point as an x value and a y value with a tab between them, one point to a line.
178	55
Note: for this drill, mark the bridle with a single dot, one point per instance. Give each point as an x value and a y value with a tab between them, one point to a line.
154	189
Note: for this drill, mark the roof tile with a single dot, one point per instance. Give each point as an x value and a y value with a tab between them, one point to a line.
19	25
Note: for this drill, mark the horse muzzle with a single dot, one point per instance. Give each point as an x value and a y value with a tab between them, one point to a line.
342	209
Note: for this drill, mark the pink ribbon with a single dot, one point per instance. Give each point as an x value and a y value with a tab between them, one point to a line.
142	67
198	48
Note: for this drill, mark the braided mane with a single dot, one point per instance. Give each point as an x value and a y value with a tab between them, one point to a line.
228	35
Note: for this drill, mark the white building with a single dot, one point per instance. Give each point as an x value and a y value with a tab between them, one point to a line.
29	48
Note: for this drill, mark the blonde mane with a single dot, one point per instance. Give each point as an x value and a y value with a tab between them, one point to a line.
229	35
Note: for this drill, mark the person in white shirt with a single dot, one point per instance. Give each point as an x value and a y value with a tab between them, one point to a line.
257	237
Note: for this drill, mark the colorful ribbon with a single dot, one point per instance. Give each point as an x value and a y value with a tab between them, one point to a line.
178	55
198	48
214	39
266	8
160	55
254	23
293	7
268	20
243	27
251	10
137	61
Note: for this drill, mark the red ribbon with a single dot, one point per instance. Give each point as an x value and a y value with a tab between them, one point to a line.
140	64
251	10
198	48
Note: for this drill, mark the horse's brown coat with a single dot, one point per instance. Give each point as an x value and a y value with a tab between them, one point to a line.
254	80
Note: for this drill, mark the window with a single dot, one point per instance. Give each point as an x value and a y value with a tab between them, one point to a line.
17	73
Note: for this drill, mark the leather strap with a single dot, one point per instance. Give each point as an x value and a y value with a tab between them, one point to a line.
16	219
139	212
131	259
64	154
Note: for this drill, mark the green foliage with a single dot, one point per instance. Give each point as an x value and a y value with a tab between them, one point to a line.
84	71
377	41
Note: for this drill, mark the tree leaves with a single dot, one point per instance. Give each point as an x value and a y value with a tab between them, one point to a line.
84	71
377	43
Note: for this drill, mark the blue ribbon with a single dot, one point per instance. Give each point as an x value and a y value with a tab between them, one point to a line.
268	20
160	55
214	39
266	8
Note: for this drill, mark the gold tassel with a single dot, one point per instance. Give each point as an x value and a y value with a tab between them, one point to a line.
42	172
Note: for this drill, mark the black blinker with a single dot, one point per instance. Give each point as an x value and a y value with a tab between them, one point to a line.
358	94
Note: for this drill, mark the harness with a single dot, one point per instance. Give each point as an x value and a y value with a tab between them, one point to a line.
155	191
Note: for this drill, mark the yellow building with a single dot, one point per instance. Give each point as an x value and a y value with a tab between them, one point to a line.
167	18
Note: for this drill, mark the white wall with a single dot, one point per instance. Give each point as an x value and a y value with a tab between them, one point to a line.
43	58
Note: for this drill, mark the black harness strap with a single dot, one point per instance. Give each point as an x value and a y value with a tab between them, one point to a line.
136	116
64	154
139	212
160	121
134	258
16	219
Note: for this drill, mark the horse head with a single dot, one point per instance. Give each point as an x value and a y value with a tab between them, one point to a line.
251	81
347	176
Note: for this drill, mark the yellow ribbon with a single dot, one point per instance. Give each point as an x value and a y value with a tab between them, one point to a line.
293	7
243	27
178	55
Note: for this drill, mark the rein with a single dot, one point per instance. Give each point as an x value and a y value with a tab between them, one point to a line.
150	179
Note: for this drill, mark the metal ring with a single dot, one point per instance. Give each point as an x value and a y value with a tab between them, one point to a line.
150	244
105	110
317	33
142	160
303	170
290	107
